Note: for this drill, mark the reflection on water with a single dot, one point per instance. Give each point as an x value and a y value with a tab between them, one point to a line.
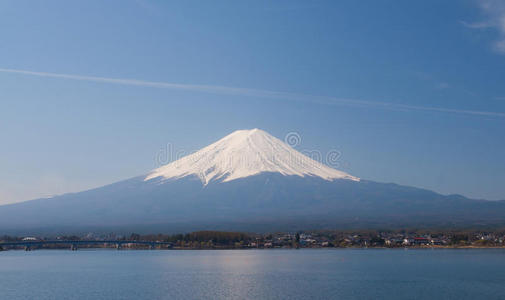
253	274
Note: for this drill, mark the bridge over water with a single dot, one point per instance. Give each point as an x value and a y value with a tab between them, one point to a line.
74	245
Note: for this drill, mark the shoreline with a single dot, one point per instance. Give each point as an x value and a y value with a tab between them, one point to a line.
262	249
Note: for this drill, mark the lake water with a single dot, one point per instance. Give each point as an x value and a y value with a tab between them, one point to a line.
253	274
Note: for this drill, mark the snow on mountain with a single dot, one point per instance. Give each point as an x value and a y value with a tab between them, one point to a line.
244	153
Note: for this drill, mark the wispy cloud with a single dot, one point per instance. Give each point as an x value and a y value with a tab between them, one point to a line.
215	89
477	25
443	85
494	11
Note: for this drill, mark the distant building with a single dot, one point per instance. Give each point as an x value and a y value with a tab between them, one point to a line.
421	241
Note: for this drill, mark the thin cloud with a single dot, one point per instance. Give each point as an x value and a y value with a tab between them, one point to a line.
215	89
494	11
477	25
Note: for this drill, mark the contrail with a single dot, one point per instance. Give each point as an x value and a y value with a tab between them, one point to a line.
216	89
156	84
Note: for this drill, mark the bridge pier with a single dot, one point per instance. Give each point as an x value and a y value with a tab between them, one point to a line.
118	246
152	247
73	247
27	248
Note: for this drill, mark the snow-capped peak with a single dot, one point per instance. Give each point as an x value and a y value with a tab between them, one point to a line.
245	153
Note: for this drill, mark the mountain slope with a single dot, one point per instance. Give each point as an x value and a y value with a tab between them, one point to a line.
245	153
247	181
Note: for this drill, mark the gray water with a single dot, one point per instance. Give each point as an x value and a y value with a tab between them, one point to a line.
253	274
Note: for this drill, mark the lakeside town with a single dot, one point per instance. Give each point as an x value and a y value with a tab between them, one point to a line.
239	240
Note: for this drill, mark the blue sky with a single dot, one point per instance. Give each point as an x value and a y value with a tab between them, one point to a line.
411	92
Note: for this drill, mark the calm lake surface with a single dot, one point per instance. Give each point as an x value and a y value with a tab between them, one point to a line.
253	274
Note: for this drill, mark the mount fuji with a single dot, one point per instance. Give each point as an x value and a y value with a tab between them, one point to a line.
246	153
248	180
